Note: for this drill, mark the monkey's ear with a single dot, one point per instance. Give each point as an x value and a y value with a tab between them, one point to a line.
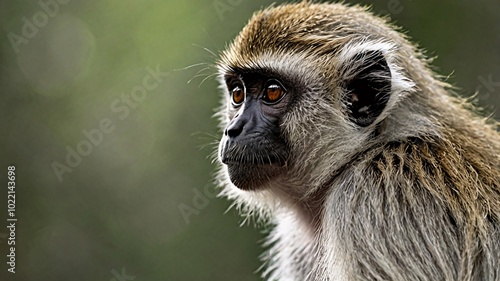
367	86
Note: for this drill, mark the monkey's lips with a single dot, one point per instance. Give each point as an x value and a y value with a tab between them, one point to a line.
250	168
251	154
262	160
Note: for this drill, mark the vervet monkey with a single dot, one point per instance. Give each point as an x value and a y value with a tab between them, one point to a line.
369	167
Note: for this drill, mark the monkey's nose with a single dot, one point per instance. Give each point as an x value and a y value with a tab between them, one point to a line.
234	130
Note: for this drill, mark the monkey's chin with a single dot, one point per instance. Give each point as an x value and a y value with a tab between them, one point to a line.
252	177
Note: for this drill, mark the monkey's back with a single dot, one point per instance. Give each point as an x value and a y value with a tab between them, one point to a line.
423	209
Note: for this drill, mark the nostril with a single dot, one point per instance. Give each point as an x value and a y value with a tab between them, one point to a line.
234	131
236	126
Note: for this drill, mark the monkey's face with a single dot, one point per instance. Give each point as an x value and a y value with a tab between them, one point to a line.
283	126
306	87
253	146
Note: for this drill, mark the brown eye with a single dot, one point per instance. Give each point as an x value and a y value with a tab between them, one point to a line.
238	95
273	94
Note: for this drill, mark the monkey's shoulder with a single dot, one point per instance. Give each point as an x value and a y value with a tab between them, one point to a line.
432	157
438	169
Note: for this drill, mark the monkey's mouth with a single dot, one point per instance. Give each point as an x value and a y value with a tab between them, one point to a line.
250	168
250	155
254	160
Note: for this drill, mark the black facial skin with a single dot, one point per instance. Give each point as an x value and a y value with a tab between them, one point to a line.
252	146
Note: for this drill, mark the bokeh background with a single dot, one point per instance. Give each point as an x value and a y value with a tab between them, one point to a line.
139	204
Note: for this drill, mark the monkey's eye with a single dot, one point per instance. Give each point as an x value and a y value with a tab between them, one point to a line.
273	93
238	95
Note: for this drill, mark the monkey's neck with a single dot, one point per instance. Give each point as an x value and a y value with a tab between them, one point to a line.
308	210
295	242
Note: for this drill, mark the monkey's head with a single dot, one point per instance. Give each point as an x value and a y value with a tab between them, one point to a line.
307	87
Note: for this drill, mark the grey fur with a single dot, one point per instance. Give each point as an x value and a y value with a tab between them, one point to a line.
413	196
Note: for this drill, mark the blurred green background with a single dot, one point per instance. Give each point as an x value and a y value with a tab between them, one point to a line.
68	67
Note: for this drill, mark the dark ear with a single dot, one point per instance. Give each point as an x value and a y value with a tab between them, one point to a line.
368	87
